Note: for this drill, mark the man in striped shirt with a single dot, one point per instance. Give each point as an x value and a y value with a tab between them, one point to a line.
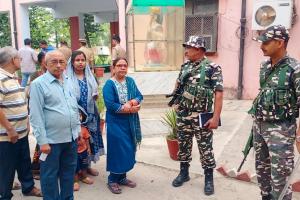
14	127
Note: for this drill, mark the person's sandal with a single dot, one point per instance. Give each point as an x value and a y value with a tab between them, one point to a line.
128	183
87	180
34	193
92	172
114	188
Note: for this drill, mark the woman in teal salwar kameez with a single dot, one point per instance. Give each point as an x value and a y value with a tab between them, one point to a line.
122	99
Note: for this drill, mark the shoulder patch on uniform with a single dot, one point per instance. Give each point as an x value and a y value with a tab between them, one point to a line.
294	63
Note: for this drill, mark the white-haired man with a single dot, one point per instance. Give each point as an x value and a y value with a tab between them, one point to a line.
55	121
14	128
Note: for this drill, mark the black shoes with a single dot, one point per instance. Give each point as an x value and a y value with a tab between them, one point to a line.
183	176
209	182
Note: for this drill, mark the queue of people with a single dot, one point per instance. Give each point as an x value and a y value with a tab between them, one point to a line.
67	143
65	120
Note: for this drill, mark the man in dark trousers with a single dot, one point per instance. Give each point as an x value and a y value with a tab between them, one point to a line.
14	128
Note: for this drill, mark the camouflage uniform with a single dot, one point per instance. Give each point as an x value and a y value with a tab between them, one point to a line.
204	79
275	111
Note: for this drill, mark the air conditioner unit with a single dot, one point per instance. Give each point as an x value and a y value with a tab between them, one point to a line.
271	12
208	42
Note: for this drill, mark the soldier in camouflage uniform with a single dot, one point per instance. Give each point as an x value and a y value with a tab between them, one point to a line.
275	110
204	83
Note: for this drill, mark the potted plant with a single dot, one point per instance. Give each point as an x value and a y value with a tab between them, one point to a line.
169	119
101	65
99	72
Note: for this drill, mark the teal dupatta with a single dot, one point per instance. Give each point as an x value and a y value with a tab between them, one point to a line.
134	120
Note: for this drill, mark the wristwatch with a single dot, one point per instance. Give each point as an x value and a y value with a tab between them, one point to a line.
297	138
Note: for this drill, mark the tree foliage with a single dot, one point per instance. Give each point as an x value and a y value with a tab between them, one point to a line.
96	34
43	26
5	32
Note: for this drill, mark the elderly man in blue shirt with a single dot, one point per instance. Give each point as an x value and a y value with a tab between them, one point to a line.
55	121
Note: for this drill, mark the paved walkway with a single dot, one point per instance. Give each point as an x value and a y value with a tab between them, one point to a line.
155	171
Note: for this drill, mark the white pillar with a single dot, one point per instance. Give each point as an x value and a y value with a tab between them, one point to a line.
122	23
23	26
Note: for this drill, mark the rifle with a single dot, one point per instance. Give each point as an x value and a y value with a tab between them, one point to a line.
252	111
178	91
246	150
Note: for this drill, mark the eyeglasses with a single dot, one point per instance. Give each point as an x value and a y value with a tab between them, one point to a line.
55	62
122	65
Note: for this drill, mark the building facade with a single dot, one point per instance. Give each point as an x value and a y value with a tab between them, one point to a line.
158	54
219	21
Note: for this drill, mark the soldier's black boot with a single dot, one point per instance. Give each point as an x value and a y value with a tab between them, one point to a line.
268	197
209	182
183	175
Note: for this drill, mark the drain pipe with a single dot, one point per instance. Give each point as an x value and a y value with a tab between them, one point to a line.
242	48
13	2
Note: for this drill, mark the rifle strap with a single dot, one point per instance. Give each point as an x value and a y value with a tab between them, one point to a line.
202	76
263	84
284	68
202	71
282	76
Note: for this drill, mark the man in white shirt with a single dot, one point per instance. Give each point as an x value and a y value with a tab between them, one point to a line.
29	58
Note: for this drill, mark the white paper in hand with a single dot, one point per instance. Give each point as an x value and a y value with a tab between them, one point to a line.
43	156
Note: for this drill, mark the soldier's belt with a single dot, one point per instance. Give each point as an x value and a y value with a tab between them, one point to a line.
188	95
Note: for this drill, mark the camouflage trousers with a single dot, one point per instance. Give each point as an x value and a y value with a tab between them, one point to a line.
274	156
188	127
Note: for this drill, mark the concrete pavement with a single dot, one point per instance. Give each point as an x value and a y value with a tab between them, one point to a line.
155	171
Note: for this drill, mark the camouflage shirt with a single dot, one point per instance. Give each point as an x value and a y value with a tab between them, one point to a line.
279	98
203	79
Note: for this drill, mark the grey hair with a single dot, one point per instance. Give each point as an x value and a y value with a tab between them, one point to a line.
6	54
50	54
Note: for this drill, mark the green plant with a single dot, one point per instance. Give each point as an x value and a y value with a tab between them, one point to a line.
100	103
102	60
5	32
169	119
19	73
44	26
96	34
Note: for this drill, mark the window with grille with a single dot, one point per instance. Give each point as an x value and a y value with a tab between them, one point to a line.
202	19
